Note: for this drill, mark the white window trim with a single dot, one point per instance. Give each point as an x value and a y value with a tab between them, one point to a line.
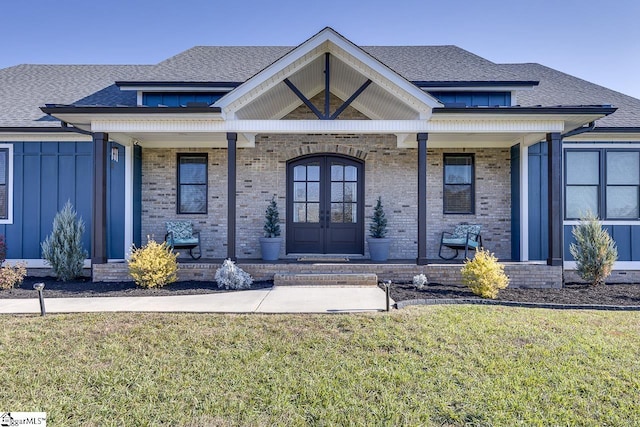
9	219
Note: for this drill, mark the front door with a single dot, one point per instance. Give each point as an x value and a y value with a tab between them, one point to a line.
324	205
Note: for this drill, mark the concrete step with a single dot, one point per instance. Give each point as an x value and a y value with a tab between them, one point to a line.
325	279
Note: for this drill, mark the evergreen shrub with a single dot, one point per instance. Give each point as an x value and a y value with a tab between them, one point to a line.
230	276
484	275
378	226
153	265
63	248
272	220
595	251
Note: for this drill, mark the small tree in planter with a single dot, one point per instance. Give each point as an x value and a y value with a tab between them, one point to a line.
63	248
594	250
271	242
378	243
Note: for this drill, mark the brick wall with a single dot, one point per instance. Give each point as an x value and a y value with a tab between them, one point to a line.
530	275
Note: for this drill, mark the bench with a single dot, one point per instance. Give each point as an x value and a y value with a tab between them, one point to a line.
464	236
180	235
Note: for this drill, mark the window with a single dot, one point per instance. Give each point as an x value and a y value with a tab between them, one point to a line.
177	99
623	171
583	183
6	179
605	182
458	184
469	99
192	183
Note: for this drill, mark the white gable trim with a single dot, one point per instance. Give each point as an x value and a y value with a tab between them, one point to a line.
330	41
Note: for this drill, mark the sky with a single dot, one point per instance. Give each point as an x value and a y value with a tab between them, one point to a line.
594	40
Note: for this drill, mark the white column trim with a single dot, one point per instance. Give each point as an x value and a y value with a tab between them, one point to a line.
9	184
128	200
524	202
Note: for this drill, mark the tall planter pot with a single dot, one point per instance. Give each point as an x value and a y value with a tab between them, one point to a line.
379	248
270	247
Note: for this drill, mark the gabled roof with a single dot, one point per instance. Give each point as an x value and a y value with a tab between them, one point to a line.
414	63
389	96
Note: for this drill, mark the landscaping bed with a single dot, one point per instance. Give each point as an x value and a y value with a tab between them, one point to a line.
572	293
84	287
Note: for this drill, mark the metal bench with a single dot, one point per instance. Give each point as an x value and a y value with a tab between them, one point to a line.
464	236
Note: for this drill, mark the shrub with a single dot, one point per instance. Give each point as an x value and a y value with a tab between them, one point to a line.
12	276
3	249
272	220
378	226
594	250
230	276
153	265
63	248
484	275
420	281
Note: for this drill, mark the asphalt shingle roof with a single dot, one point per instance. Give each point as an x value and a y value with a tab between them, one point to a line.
24	88
557	88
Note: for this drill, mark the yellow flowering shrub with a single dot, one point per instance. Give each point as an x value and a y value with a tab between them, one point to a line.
484	275
153	265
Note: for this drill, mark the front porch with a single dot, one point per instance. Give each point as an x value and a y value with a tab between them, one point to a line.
522	274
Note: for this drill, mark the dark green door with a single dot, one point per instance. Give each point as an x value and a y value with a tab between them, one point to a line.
325	205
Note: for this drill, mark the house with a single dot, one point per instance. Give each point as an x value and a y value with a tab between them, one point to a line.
212	134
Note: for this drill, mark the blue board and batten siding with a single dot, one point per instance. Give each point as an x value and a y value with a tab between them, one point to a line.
46	175
538	202
627	238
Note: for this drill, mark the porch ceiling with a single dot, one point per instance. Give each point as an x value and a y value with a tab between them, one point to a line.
180	139
474	140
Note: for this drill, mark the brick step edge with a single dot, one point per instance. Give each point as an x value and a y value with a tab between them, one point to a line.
325	279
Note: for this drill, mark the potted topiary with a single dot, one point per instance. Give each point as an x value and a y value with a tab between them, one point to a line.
378	243
271	242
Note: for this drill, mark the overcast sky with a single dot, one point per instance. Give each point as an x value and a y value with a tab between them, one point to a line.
595	40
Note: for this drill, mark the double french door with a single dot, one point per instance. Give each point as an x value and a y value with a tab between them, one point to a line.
325	205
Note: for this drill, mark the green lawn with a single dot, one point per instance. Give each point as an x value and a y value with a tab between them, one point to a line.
441	365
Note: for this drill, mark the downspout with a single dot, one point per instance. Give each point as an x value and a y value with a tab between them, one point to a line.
588	128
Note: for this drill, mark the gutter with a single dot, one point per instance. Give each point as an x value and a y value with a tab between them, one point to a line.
69	109
588	128
66	126
587	109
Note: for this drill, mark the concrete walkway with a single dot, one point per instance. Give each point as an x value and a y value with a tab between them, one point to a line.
279	299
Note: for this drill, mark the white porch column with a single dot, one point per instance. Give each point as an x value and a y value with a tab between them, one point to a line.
524	202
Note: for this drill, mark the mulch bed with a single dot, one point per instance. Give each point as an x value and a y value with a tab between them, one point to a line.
84	288
573	293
